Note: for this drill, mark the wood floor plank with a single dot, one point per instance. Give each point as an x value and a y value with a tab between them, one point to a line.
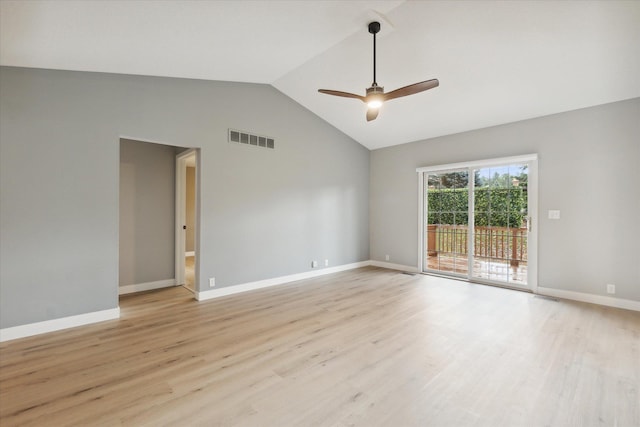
367	347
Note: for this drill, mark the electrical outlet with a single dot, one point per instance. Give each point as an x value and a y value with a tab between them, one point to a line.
554	214
314	264
326	263
212	282
386	257
611	289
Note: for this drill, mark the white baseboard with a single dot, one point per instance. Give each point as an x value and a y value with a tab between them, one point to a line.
392	266
190	253
245	287
139	287
37	328
590	298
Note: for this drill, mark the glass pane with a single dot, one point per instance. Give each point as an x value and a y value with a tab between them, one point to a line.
481	219
481	267
500	215
498	270
461	265
433	181
447	198
462	218
519	273
434	198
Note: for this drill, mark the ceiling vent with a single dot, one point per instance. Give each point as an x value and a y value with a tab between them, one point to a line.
242	137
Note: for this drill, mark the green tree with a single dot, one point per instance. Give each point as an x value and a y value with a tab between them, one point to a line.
494	206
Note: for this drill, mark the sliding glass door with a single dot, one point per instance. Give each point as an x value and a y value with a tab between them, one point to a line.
476	221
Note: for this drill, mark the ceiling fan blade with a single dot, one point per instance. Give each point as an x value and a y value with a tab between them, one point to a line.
343	94
411	89
372	113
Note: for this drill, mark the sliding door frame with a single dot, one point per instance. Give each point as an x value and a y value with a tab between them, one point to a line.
532	236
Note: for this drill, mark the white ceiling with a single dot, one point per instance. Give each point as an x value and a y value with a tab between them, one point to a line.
497	61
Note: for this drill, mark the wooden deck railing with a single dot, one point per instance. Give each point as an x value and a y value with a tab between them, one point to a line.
489	242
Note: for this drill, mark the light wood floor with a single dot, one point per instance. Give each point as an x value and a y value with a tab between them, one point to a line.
368	347
189	272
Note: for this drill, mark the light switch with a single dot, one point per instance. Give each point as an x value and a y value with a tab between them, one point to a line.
554	214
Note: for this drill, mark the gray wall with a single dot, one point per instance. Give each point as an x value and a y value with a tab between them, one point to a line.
264	213
588	169
147	212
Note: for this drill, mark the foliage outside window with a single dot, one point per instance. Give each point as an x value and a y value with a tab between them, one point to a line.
499	201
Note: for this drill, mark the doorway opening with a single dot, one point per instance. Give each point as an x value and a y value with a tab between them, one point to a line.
186	219
476	221
151	203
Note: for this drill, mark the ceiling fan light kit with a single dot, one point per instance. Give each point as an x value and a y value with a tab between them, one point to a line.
375	95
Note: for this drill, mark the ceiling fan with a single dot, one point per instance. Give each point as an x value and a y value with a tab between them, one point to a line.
375	96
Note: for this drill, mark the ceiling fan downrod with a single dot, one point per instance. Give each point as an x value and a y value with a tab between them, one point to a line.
374	28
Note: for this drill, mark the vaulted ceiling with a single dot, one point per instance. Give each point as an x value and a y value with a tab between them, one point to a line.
497	61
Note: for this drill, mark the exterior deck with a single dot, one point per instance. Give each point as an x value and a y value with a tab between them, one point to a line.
483	268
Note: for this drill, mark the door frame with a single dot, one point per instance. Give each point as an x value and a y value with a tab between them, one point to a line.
532	242
181	214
